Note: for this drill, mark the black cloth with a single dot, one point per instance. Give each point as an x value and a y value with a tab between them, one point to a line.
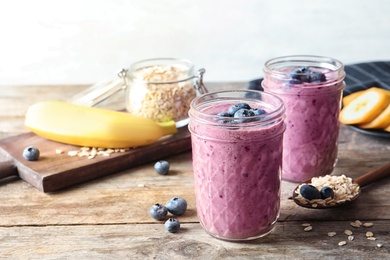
359	76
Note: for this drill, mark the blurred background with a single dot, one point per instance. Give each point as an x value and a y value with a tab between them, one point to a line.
85	41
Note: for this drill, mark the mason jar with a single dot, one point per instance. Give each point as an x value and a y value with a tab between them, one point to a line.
162	89
311	89
237	163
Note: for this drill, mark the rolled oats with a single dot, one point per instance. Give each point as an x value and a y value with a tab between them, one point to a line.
342	243
92	152
149	98
343	187
348	232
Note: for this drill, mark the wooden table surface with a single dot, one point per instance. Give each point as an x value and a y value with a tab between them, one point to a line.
108	218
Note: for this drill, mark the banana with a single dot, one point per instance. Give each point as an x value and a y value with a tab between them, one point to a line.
381	121
352	96
366	107
93	127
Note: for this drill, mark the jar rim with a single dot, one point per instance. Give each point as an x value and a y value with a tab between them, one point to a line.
209	98
335	69
190	69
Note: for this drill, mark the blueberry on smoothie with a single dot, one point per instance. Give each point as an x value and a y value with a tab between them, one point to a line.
258	111
317	76
305	74
300	75
309	192
242	114
234	108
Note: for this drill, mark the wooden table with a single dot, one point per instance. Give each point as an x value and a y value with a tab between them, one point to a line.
108	218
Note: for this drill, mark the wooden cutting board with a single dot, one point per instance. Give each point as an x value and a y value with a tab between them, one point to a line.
56	171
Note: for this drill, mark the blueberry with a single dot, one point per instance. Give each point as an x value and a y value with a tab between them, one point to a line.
177	206
309	192
317	76
300	75
161	167
172	225
244	113
234	108
326	192
258	111
158	211
305	74
31	153
224	114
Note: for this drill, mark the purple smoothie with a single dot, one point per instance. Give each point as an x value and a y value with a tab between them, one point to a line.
312	124
237	170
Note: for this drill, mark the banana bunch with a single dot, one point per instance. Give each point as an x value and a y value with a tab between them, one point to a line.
368	109
93	127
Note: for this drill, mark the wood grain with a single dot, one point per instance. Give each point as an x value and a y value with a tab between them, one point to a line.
107	218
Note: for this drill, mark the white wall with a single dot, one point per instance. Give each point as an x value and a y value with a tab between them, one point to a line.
76	41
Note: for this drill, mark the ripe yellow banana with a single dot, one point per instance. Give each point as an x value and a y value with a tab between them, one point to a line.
93	127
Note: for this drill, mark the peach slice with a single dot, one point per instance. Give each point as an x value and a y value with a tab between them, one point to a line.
365	107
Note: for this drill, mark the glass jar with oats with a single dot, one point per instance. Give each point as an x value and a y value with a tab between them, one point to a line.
162	89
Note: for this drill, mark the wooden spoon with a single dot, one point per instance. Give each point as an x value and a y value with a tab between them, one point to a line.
362	181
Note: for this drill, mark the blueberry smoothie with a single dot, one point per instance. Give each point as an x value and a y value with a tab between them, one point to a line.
311	89
237	156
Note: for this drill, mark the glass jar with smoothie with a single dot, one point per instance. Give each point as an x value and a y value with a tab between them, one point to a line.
237	156
311	89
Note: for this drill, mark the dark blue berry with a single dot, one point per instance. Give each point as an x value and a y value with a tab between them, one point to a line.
31	153
305	74
158	211
244	113
177	206
258	111
300	75
161	167
234	108
326	192
317	76
309	192
172	225
224	114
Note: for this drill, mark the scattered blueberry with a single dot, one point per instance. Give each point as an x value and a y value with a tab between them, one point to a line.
158	211
305	74
172	225
31	153
161	167
177	206
326	192
309	192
